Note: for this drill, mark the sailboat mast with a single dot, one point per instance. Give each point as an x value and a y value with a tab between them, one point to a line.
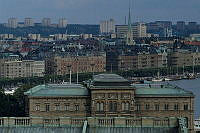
193	66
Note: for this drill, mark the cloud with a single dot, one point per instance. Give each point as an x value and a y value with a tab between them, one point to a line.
92	11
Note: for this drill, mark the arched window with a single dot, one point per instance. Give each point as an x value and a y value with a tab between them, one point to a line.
127	107
98	107
123	106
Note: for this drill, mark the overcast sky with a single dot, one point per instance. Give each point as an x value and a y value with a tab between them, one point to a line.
93	11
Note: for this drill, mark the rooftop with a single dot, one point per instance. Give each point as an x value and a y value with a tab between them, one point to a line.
58	90
161	90
109	80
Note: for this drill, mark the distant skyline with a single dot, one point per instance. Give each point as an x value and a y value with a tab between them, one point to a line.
93	11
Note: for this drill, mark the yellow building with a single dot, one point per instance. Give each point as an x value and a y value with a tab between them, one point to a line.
81	64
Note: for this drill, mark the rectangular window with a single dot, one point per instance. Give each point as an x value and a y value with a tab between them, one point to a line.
66	107
47	107
113	106
176	107
100	107
37	107
138	107
166	107
57	107
125	106
186	107
147	107
76	107
157	108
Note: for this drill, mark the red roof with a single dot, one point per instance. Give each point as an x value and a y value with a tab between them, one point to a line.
22	50
192	43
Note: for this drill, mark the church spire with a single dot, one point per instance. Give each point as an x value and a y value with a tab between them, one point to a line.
129	36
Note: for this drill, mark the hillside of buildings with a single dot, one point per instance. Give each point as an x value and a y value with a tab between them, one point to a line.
46	31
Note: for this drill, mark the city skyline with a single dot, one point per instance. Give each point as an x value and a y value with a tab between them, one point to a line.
90	12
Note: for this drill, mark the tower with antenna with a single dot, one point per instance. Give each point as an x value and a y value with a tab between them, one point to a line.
129	35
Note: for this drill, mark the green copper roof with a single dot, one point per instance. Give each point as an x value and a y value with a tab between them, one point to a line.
58	90
160	90
108	78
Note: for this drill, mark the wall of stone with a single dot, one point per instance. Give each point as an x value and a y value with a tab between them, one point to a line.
83	104
89	130
171	112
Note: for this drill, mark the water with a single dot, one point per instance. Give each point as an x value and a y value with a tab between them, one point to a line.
193	86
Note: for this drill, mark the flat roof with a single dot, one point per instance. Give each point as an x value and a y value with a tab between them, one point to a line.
108	78
58	90
160	90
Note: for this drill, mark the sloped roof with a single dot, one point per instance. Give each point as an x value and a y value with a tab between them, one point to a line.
58	90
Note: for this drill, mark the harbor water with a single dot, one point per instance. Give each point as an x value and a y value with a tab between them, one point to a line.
193	86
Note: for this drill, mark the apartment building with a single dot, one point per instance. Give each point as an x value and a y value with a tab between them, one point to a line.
81	64
138	29
22	68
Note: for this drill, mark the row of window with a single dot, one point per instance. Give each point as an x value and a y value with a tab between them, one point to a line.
113	106
125	106
113	96
166	107
58	108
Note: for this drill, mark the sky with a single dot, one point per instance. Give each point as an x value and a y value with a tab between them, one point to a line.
93	11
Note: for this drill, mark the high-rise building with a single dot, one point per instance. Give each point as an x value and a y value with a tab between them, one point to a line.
192	26
180	26
22	68
12	23
107	26
28	22
46	22
168	32
62	23
164	24
138	29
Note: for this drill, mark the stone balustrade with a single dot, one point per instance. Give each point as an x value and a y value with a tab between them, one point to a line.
92	122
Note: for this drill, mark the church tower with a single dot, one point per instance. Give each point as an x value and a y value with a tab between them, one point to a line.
129	35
